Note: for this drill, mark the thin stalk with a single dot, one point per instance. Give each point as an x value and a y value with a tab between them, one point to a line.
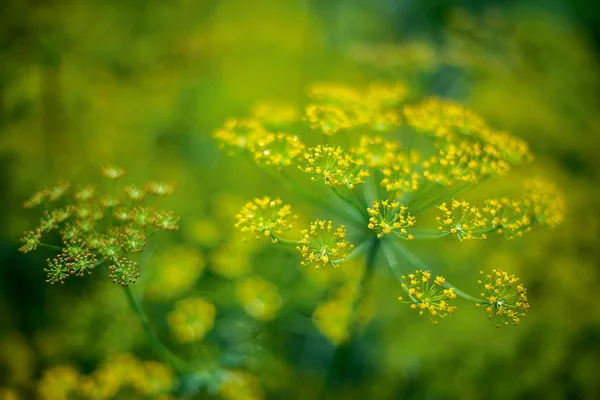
429	234
285	242
51	246
417	263
424	207
358	251
340	351
178	364
357	207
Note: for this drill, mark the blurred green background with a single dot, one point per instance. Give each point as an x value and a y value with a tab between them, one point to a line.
143	84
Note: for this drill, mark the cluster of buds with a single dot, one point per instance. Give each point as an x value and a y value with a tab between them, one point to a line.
96	229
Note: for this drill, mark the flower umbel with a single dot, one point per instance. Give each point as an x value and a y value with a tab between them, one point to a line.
321	245
94	229
506	299
428	295
390	217
265	217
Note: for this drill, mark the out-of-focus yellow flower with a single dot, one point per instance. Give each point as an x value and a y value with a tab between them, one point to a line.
334	166
8	394
191	319
265	217
259	297
173	271
334	317
506	297
58	383
232	259
203	231
240	385
275	114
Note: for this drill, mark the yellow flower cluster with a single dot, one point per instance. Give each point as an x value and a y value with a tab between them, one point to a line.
375	151
275	114
334	316
547	203
506	299
462	162
540	202
260	298
466	139
119	375
389	216
443	119
173	271
266	146
321	245
265	217
191	319
428	295
462	219
400	175
336	107
334	166
240	385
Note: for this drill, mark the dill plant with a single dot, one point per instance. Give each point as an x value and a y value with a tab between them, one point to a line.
88	230
376	165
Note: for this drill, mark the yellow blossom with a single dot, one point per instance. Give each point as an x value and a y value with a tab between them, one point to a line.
389	216
321	245
506	299
427	295
191	319
265	217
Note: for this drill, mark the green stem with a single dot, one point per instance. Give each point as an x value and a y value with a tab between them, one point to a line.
178	364
417	263
357	207
51	246
436	200
428	234
358	251
341	351
285	242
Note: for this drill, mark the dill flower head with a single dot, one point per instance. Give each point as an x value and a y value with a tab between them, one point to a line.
322	245
428	295
506	299
400	174
375	151
461	219
259	297
95	229
276	149
191	319
265	217
327	119
390	217
334	166
443	119
547	202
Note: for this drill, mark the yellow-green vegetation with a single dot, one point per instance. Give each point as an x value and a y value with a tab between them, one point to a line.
303	200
